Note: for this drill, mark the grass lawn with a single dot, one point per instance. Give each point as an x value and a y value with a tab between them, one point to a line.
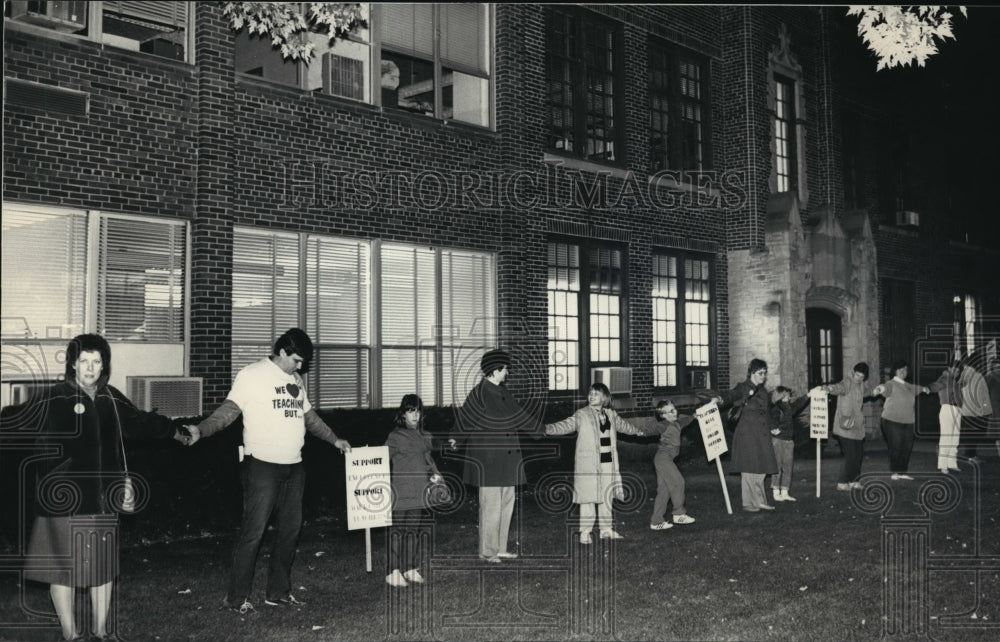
902	558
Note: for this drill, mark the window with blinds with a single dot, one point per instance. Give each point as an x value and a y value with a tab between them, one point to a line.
158	28
44	273
424	332
140	280
136	288
448	77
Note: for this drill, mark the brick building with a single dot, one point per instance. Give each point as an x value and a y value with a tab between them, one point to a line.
651	195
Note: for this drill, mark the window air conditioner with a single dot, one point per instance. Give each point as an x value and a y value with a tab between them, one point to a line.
61	16
618	380
343	76
907	218
170	396
699	380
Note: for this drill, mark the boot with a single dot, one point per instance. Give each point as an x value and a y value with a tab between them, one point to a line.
778	497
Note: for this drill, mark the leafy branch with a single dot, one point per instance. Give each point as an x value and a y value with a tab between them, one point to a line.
901	35
283	22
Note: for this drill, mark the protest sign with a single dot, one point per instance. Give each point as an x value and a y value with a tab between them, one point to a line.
369	492
819	425
714	438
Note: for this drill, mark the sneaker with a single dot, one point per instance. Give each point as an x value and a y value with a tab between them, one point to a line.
899	476
396	579
856	486
242	609
683	519
413	576
766	507
288	600
612	534
490	560
842	486
507	556
585	538
662	526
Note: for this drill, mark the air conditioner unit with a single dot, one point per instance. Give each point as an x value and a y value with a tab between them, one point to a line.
343	76
618	380
170	396
907	218
61	16
699	380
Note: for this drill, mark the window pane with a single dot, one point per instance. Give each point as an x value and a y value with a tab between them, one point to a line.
44	273
158	28
338	290
406	371
563	316
338	378
265	281
140	289
408	27
465	98
465	35
407	83
409	297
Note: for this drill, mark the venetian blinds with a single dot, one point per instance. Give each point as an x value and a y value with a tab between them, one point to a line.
140	285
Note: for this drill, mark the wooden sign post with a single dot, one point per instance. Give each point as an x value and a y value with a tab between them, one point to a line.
710	421
819	423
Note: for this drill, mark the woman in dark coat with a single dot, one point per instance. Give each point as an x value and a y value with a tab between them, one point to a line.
752	452
82	483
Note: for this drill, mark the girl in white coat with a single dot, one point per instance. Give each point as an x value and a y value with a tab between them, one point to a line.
596	478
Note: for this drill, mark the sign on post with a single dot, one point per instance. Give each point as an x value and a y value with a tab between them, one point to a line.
369	492
819	425
714	438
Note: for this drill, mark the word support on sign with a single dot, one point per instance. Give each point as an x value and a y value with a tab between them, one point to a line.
369	489
819	417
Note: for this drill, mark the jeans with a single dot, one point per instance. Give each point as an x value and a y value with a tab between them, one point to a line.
784	452
267	488
899	437
496	507
669	486
854	453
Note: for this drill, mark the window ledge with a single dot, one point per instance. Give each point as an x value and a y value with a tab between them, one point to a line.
883	227
571	162
85	42
667	179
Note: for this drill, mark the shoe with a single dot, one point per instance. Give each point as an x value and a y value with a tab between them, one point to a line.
899	476
585	538
507	556
945	471
766	507
662	526
856	485
683	519
413	576
842	486
288	600
243	608
490	560
612	534
957	470
778	497
396	579
751	509
786	497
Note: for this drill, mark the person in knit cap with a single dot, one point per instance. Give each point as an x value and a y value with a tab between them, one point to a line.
487	425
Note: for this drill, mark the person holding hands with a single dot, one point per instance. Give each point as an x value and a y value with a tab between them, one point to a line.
898	418
783	413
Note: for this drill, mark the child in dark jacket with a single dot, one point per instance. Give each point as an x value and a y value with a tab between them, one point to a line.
783	412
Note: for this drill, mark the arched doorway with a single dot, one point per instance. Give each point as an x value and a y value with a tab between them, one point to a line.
824	347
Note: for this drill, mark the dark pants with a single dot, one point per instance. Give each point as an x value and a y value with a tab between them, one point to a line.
973	434
854	452
408	528
267	488
899	437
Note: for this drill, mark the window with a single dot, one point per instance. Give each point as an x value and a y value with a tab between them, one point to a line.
136	292
678	108
158	28
970	310
785	143
682	320
432	318
582	67
446	77
585	317
339	68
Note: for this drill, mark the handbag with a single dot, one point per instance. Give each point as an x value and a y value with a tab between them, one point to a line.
128	488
